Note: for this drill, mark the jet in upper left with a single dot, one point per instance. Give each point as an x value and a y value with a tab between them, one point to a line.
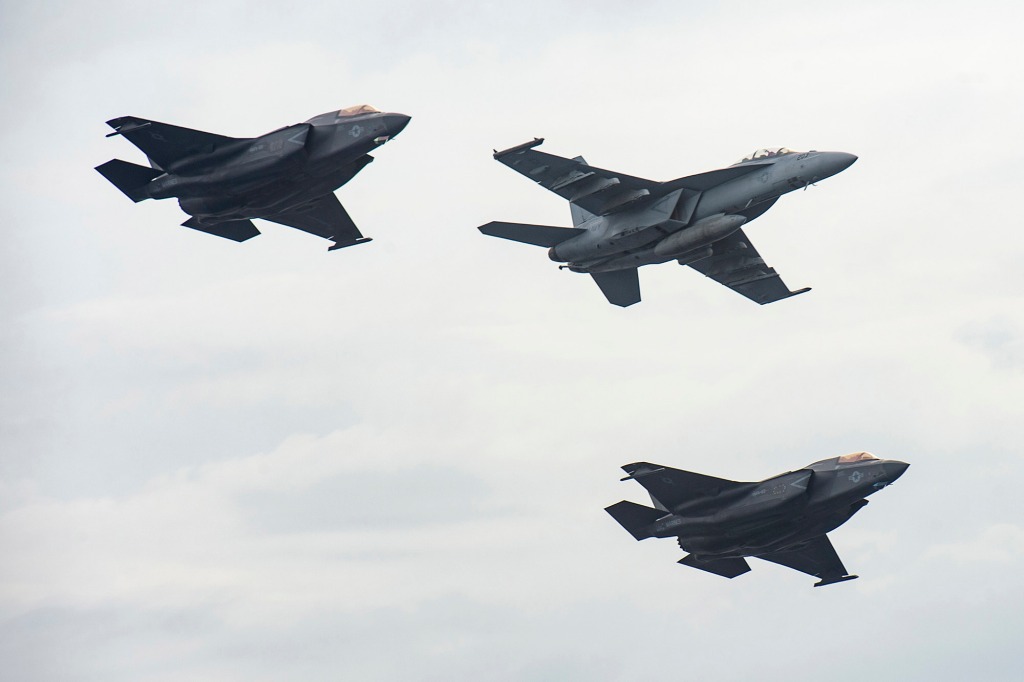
287	176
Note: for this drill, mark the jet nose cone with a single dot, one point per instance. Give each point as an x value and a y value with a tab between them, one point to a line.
395	123
839	161
894	469
844	160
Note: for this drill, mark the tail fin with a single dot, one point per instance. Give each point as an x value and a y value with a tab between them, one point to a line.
727	568
538	235
129	177
235	230
634	517
620	287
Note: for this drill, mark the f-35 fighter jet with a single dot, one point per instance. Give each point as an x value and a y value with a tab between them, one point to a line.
783	519
622	222
287	176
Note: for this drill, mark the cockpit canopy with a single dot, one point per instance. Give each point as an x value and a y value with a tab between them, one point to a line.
332	117
856	457
358	110
765	153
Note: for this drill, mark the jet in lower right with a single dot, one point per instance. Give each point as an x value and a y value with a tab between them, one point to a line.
783	519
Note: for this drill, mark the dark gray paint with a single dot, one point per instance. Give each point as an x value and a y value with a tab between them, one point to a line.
783	519
287	176
627	222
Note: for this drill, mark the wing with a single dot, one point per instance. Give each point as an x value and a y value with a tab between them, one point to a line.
738	265
599	191
165	144
596	190
727	568
325	217
815	557
674	487
620	287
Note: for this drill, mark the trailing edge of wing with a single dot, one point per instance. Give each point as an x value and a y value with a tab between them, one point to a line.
538	235
620	287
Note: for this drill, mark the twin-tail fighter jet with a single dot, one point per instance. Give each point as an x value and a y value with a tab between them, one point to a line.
783	519
622	222
287	176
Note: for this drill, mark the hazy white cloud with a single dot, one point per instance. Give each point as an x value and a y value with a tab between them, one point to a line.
263	461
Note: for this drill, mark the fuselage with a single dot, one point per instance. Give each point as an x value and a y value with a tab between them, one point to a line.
765	517
683	225
268	175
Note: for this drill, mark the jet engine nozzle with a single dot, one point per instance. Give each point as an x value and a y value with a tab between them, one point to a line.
553	255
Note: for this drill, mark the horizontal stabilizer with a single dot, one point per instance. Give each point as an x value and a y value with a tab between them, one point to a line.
620	287
235	230
538	235
727	568
130	178
634	517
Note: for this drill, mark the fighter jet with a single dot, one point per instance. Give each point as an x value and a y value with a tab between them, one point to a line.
287	176
622	222
782	519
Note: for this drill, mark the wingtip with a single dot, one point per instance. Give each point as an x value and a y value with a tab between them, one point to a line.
338	245
832	581
536	142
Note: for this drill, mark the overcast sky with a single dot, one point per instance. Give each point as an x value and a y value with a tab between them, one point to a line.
264	461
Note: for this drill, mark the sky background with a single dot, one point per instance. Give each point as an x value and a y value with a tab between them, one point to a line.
263	461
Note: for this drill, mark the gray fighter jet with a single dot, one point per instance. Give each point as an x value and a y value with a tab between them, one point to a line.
287	176
622	222
783	519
